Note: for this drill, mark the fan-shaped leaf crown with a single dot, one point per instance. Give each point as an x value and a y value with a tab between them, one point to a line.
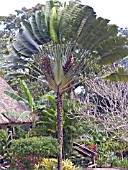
66	40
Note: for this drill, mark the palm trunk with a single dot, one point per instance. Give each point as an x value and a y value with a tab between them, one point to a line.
60	128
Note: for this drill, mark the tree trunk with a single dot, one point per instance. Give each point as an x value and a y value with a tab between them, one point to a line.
60	128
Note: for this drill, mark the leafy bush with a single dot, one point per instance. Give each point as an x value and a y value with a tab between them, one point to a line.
51	164
121	163
83	162
5	142
20	132
27	152
109	148
47	123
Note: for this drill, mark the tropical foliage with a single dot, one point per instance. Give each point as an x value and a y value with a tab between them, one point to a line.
120	75
47	123
5	142
51	164
100	48
28	151
58	43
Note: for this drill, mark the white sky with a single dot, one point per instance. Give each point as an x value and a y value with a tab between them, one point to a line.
114	10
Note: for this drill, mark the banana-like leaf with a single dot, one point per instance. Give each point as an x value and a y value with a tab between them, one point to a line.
40	21
12	49
53	18
45	97
22	49
65	20
27	42
35	29
23	115
120	75
41	104
52	100
16	97
49	114
48	98
16	115
28	31
75	21
12	113
49	5
72	128
28	94
44	28
112	56
100	35
83	22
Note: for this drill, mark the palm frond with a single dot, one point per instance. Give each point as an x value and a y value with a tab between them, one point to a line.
120	75
57	33
28	31
27	42
28	94
23	115
16	97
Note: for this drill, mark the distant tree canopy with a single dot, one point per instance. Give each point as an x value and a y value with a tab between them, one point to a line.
11	24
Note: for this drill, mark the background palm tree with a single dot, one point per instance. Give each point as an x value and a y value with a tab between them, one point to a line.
57	45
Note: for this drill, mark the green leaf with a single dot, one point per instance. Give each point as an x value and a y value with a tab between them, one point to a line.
120	75
112	56
53	18
57	68
67	78
16	97
27	30
12	49
27	42
52	100
11	113
23	115
21	49
28	94
35	29
40	21
51	83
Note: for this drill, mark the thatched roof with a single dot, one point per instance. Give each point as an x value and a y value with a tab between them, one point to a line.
7	104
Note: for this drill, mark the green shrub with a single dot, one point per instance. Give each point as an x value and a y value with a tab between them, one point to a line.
5	142
51	164
28	151
20	132
121	163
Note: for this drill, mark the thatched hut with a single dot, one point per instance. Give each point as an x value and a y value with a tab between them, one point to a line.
7	104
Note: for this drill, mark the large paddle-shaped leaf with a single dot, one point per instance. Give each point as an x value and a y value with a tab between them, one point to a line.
120	75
